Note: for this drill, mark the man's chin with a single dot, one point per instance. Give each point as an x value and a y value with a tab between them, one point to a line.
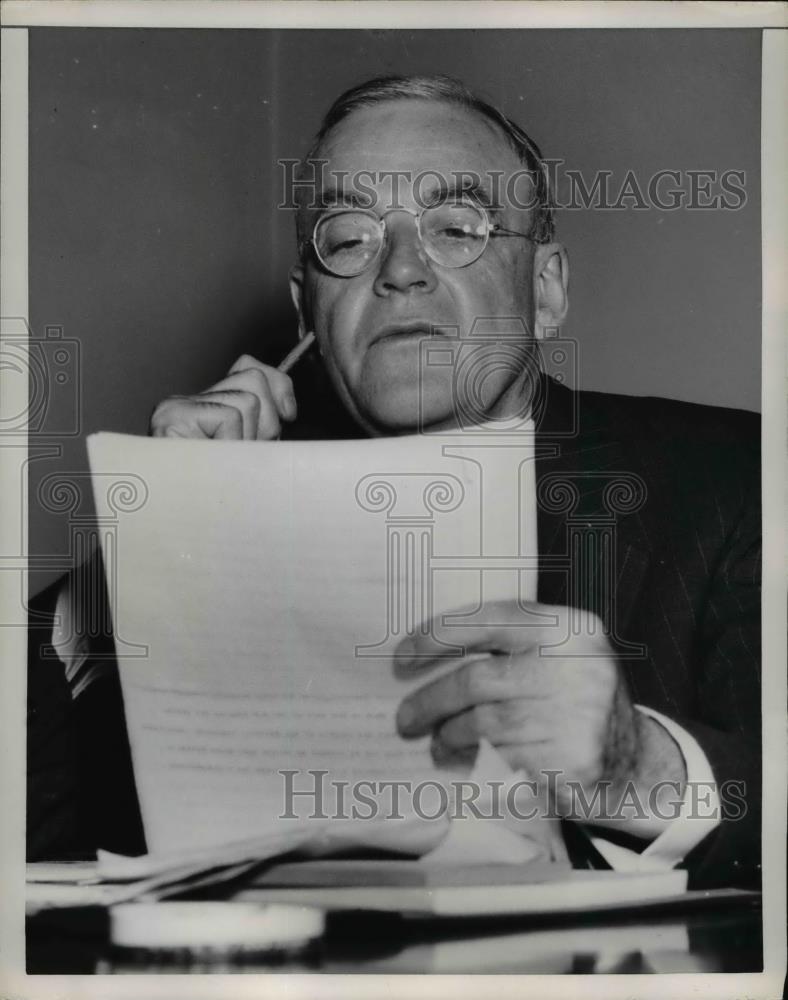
403	411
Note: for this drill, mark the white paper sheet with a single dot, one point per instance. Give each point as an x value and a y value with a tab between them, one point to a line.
268	584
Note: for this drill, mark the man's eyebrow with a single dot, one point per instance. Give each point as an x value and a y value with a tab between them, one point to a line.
331	195
458	188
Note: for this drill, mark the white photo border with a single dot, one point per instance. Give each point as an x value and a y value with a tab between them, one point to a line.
16	17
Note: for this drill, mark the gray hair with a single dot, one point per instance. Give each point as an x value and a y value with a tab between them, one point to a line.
449	91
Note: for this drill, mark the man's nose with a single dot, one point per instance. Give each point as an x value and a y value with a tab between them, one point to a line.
405	266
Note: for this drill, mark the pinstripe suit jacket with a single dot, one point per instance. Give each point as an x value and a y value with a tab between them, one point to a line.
668	495
683	597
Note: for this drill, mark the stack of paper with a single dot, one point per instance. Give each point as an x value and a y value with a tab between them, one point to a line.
258	592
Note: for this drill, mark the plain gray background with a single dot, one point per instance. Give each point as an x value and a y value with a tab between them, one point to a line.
157	247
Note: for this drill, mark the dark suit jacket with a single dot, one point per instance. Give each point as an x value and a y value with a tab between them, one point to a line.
666	495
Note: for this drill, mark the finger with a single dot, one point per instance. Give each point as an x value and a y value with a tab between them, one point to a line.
279	385
245	361
267	411
277	402
246	403
195	417
162	426
514	628
230	423
443	756
497	721
475	682
261	421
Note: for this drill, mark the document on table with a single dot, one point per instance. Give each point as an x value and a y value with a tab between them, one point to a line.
258	591
565	892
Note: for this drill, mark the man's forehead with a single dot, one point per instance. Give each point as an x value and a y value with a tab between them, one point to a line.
417	135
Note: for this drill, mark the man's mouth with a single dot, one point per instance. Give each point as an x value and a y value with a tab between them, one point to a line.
412	329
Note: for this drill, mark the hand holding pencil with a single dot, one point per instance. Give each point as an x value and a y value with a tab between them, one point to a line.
249	404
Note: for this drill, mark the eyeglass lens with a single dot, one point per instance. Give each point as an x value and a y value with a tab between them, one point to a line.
453	235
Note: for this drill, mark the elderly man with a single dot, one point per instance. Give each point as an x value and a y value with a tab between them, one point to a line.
429	210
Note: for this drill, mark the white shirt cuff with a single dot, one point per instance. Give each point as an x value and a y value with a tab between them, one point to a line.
71	646
699	812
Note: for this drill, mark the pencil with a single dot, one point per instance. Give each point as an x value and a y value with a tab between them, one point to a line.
296	354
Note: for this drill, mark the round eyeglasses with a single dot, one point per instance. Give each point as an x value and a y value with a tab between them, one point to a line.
347	241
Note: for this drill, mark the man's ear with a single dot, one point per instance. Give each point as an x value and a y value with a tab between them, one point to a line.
551	286
296	279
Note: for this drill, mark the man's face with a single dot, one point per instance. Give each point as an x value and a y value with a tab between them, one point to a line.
371	328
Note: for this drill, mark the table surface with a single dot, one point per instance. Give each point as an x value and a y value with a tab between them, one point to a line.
718	935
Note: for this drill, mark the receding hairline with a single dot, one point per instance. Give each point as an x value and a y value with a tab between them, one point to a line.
493	127
446	91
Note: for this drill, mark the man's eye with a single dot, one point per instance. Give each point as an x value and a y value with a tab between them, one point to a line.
455	232
458	233
348	244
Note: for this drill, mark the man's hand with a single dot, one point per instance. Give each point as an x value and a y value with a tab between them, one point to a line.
249	405
566	709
